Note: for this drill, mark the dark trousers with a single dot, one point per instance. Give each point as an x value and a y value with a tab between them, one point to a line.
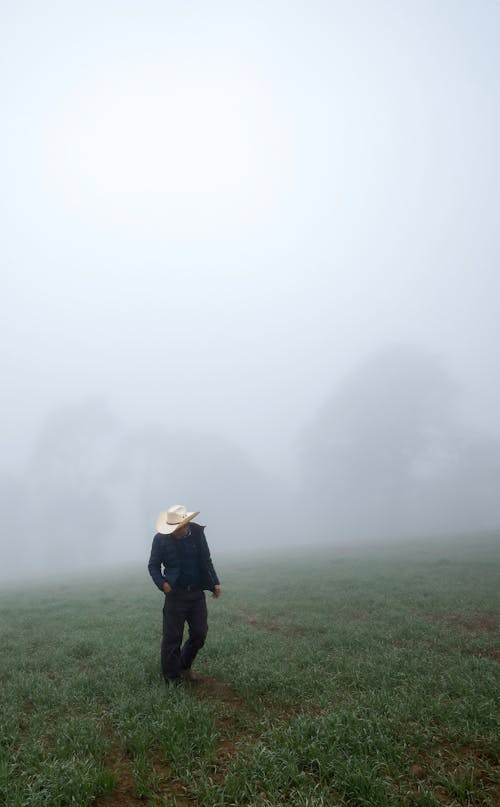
182	606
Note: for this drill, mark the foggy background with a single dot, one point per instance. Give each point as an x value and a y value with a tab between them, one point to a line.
250	263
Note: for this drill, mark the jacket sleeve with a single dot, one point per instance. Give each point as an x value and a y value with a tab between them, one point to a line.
212	574
155	562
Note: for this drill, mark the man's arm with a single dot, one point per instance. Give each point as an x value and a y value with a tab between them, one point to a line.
210	566
154	566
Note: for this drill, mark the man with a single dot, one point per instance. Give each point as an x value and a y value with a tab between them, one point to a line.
181	566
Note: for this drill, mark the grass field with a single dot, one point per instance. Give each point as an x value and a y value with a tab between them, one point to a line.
329	678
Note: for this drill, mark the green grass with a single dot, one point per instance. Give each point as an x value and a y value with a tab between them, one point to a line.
369	678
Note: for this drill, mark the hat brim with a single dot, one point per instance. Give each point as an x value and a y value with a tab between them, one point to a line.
164	528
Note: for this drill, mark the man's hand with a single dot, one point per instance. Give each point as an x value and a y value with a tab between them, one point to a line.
167	588
217	592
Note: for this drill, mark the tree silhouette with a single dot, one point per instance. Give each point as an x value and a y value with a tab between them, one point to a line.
388	454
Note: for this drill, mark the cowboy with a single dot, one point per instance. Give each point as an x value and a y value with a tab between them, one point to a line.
181	566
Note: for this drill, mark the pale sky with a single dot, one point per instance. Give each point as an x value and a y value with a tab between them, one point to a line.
211	212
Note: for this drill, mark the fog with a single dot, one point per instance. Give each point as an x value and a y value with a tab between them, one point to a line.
250	263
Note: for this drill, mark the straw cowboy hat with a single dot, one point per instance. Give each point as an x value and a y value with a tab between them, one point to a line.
170	520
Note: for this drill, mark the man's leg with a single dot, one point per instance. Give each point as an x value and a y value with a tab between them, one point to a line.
197	620
173	630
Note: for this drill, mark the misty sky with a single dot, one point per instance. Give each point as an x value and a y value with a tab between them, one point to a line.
212	211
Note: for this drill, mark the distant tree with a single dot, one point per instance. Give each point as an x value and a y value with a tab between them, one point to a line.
69	478
15	525
92	489
387	453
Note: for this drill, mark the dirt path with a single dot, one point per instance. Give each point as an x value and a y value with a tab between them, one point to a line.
255	621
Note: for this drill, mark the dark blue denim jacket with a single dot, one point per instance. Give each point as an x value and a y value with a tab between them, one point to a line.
164	564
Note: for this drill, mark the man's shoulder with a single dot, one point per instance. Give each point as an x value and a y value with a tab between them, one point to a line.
162	540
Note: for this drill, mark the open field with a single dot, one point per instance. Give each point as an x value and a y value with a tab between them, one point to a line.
330	678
